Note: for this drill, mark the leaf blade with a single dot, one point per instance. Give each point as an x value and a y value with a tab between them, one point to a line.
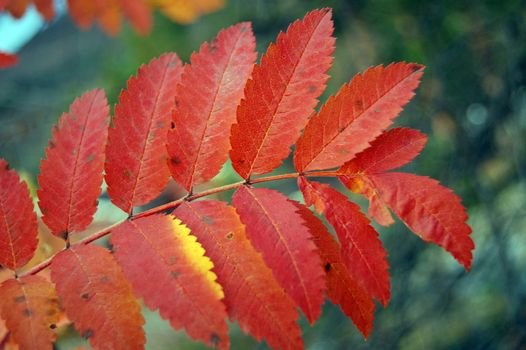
207	97
266	312
356	115
18	228
282	94
186	292
136	170
277	231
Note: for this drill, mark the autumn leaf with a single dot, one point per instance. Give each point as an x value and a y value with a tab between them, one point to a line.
136	170
252	295
362	251
97	298
356	115
18	221
184	288
187	11
277	230
210	90
29	306
281	94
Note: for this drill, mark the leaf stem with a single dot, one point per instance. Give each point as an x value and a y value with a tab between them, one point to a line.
174	204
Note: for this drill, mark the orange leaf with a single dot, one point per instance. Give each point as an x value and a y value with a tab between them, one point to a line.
277	230
18	221
29	306
282	94
71	176
97	298
356	115
136	170
362	250
252	295
139	14
168	269
207	97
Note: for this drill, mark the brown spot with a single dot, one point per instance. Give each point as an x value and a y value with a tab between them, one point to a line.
20	299
50	312
27	312
172	125
175	161
64	235
51	144
342	129
85	296
87	334
327	267
213	47
312	88
52	326
90	158
104	279
174	274
96	203
7	166
229	236
172	260
359	104
215	339
415	67
127	174
176	103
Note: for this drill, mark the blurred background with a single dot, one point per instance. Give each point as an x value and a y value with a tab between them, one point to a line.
472	104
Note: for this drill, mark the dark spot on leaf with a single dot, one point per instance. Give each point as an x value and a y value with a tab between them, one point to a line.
172	260
20	299
87	334
64	235
172	125
377	110
27	312
7	166
96	203
127	174
175	161
90	158
50	312
159	124
215	339
52	326
327	267
51	144
359	104
342	129
104	279
208	220
312	88
243	29
176	103
229	235
172	63
85	296
174	274
213	47
415	68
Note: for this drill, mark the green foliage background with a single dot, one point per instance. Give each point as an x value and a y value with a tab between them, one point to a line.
472	104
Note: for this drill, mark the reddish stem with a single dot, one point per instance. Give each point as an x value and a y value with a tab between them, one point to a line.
174	204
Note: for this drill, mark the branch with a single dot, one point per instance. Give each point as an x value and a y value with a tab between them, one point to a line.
174	204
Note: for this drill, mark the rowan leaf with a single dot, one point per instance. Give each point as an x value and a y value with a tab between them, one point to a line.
342	289
7	60
252	295
362	250
18	221
277	230
71	176
430	210
97	298
391	150
29	306
139	14
45	8
281	94
172	274
207	97
356	115
136	170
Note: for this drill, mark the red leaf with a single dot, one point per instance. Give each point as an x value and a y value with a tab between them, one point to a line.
277	230
356	115
71	176
82	12
342	289
430	210
282	94
29	306
362	250
95	294
18	221
391	150
210	90
136	170
139	14
7	60
252	295
17	8
46	8
172	274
